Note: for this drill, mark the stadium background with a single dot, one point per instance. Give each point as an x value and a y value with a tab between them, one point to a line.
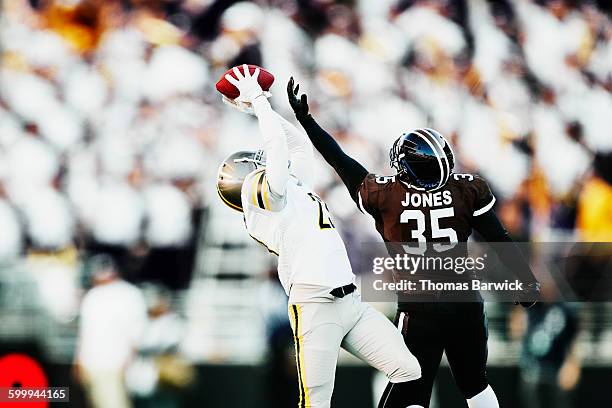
111	133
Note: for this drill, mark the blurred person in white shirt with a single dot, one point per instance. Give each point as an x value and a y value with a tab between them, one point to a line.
426	22
113	316
48	218
28	96
238	41
550	143
484	142
174	70
168	213
121	56
119	214
159	373
29	164
556	38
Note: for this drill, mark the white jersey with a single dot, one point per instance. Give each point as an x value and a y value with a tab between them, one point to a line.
309	248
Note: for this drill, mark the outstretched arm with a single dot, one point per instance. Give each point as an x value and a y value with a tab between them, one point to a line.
275	146
492	230
272	132
350	171
301	156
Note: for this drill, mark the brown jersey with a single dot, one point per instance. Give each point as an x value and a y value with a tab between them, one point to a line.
406	214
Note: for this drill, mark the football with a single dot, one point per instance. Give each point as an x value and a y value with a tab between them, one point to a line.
265	79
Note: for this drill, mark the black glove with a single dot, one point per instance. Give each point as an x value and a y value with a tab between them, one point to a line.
299	106
531	292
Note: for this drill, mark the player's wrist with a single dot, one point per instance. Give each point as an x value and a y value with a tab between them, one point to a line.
260	104
257	96
303	117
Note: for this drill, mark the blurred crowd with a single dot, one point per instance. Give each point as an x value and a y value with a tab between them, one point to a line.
111	131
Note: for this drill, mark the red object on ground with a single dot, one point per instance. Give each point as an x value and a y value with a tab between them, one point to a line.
22	370
265	79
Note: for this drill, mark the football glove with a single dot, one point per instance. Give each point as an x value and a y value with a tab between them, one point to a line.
299	106
530	291
246	83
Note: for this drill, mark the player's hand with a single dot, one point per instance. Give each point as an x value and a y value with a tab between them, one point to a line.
531	292
246	83
299	106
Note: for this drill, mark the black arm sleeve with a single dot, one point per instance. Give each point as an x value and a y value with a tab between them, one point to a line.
350	171
492	230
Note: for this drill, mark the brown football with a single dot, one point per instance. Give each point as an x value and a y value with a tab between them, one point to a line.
265	79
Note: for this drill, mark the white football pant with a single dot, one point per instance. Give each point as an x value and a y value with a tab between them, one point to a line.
320	329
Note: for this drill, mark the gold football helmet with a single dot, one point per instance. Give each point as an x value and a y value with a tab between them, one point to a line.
232	173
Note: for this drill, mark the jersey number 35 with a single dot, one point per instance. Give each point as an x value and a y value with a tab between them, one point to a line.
435	216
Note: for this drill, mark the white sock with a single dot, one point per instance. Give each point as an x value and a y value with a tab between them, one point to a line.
415	406
485	399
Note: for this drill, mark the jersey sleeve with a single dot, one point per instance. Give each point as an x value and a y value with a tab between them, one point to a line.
256	193
275	145
367	195
483	197
301	155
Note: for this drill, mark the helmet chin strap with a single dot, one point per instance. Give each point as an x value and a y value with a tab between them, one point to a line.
413	186
404	178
